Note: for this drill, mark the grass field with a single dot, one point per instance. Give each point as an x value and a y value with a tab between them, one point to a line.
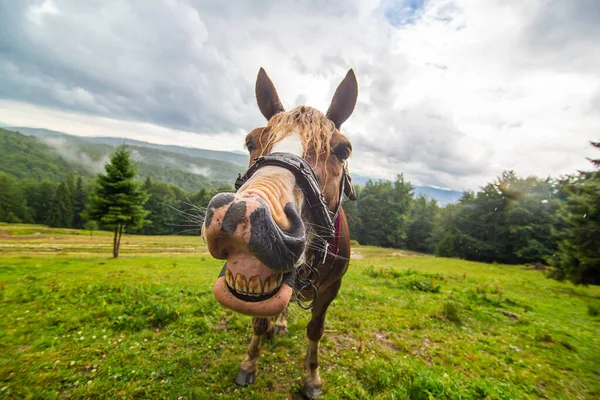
75	323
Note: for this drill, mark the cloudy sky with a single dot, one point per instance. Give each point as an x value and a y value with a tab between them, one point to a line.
451	92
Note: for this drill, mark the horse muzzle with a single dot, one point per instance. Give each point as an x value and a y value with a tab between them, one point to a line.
260	256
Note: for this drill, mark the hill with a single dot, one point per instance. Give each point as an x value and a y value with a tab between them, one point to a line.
166	160
232	157
88	156
26	157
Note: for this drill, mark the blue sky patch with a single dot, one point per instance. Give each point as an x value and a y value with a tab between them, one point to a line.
402	12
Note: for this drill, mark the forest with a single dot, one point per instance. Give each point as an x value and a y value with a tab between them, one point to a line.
513	220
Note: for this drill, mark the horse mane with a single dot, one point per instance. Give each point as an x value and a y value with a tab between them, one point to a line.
314	128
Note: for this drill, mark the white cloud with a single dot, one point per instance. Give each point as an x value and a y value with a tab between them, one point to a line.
36	12
451	92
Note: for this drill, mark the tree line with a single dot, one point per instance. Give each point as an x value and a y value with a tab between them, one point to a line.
511	220
167	208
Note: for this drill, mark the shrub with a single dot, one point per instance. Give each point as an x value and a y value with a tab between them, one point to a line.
451	311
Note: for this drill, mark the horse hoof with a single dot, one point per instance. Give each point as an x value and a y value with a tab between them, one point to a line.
245	378
280	329
311	392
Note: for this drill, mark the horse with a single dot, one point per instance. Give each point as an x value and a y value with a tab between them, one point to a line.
284	234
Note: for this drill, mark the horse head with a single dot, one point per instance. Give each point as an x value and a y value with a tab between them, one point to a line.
267	230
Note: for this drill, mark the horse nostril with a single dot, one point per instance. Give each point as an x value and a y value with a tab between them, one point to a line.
233	217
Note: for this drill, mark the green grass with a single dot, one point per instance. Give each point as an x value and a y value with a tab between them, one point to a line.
75	323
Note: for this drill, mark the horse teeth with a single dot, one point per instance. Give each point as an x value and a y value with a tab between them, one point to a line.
229	278
267	285
240	283
255	285
270	284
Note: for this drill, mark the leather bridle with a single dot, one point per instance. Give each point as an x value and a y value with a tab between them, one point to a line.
323	218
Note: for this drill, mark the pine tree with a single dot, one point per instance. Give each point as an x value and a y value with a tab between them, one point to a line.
39	196
578	255
79	203
117	200
71	182
61	208
13	207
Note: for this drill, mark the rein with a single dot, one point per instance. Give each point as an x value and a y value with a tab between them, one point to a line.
324	219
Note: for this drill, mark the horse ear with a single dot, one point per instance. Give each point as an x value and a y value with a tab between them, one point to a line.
266	96
344	100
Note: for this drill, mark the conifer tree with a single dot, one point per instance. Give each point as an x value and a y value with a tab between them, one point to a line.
13	207
79	203
117	200
61	208
578	255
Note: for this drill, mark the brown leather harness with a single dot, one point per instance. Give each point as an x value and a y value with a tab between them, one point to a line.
326	223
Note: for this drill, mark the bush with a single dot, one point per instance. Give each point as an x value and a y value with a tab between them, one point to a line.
407	278
451	311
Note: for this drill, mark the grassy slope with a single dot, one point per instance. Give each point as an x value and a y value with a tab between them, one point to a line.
75	323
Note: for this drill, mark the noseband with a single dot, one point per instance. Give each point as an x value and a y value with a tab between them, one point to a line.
324	219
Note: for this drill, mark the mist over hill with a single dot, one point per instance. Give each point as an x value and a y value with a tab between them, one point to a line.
186	167
188	171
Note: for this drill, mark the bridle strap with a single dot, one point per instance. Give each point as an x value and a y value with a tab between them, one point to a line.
324	218
308	183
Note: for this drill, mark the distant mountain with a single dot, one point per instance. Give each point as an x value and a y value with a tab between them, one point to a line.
27	157
87	157
443	196
186	167
235	157
159	161
229	156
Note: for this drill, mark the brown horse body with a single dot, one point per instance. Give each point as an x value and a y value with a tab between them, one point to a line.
267	231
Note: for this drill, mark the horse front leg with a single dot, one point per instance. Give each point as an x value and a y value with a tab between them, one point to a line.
249	367
281	322
312	381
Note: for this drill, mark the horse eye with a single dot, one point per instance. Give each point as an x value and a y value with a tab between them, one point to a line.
250	145
342	151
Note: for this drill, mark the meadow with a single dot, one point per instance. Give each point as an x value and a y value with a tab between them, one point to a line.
75	323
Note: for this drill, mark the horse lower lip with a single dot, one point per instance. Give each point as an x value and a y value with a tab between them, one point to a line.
270	307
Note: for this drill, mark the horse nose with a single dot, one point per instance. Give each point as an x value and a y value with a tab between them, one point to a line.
216	203
237	224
